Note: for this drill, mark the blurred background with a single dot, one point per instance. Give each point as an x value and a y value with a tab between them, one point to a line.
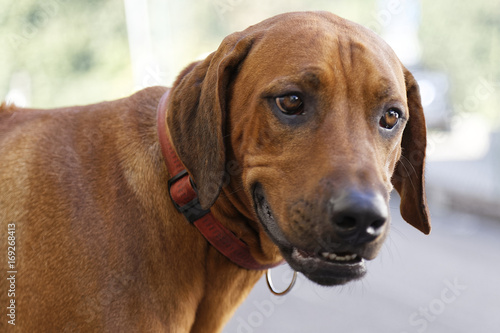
63	52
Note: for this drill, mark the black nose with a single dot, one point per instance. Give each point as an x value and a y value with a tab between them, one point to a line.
359	217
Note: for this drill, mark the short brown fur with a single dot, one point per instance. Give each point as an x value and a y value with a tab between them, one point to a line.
99	245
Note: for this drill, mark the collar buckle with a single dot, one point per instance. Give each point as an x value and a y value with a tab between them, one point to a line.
185	199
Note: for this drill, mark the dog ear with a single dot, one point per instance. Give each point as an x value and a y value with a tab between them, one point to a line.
196	115
408	177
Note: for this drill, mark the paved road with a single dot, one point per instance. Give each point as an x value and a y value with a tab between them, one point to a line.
447	282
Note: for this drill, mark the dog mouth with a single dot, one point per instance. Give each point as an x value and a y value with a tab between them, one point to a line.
321	265
340	258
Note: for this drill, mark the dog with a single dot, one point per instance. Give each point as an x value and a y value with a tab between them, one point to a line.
160	211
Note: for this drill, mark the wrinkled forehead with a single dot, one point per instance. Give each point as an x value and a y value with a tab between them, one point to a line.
333	46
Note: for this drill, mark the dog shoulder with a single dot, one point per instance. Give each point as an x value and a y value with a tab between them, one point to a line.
150	95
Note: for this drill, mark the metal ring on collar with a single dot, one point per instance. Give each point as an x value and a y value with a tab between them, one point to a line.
271	286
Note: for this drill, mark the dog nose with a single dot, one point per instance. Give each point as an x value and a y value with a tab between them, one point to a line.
359	217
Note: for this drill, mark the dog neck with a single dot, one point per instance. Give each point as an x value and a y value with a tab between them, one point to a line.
185	198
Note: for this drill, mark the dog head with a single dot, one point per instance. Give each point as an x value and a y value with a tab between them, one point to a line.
323	120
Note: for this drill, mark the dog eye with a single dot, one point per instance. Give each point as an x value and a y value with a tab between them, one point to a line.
390	118
290	104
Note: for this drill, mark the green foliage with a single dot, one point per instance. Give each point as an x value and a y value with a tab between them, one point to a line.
74	51
462	38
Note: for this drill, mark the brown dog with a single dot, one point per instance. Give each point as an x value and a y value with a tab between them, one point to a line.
295	132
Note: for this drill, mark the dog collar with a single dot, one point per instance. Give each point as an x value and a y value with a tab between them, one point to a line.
184	195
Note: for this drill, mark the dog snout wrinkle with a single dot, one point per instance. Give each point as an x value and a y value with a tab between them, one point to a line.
359	217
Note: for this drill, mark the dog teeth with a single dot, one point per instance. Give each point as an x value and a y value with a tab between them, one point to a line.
333	256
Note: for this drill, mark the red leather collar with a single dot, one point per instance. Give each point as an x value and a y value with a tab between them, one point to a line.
185	198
